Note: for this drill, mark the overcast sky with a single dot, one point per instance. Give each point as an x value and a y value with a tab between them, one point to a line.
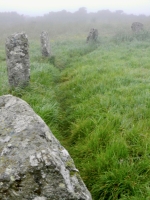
40	7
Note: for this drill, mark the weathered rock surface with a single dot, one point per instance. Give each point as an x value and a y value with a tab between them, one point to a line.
33	164
137	27
17	55
93	35
45	46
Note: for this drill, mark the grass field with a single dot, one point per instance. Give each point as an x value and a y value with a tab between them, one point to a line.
96	100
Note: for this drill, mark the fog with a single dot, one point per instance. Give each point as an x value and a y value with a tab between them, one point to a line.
39	8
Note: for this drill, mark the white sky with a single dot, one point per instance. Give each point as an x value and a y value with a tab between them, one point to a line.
40	7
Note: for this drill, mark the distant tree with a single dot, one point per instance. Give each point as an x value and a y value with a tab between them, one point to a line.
119	12
82	10
81	14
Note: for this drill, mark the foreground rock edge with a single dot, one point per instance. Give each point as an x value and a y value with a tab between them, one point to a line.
33	163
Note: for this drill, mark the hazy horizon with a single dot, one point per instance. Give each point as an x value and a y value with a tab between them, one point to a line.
29	7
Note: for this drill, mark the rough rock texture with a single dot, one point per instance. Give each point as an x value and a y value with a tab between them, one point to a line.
33	164
45	47
93	35
137	27
17	56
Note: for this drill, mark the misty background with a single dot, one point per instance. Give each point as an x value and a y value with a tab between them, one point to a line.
70	24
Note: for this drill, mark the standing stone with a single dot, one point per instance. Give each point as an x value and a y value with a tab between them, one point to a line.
93	35
17	56
33	163
45	47
137	27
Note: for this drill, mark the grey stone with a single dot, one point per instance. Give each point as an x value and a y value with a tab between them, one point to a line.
17	55
45	46
137	27
33	163
39	198
93	35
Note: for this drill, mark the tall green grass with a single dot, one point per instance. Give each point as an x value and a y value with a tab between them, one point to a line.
126	36
95	99
105	105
